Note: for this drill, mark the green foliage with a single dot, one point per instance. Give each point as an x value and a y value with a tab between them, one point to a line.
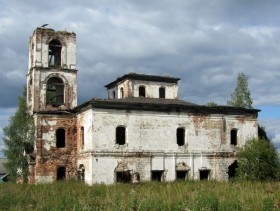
18	137
258	160
241	95
211	104
262	133
190	195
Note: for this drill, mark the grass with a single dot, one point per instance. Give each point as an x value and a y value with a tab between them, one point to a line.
73	195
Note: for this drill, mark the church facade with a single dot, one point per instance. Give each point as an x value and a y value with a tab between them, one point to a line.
141	132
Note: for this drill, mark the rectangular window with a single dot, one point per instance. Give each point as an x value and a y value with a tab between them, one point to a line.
123	176
181	175
142	91
120	135
204	174
233	137
157	175
181	136
161	92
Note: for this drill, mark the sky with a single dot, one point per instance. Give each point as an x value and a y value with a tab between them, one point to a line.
205	43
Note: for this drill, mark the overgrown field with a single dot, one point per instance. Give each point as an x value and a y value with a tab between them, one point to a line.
71	195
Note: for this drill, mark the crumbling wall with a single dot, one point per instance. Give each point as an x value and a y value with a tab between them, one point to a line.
48	156
151	143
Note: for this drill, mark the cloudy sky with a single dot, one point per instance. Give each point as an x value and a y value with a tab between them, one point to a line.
205	43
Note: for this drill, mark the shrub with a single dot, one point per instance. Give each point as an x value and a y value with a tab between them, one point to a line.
258	160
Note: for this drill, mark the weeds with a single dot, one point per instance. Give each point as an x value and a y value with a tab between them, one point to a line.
191	195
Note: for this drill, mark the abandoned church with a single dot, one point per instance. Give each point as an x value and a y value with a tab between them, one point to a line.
141	132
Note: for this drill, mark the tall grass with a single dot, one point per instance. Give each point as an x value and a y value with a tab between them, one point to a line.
191	195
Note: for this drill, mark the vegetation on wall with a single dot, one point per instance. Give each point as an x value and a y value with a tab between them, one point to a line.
19	138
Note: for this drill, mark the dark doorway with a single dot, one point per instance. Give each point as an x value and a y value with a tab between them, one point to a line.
123	176
204	174
232	170
181	175
157	175
61	173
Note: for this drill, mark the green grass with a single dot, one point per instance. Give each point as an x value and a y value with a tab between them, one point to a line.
72	195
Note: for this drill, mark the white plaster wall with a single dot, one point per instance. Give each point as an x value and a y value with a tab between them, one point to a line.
157	131
131	89
152	89
101	169
86	120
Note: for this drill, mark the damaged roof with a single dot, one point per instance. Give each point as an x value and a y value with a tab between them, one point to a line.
143	77
162	105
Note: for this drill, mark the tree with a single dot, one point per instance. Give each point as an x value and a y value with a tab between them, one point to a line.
241	95
18	137
258	160
211	104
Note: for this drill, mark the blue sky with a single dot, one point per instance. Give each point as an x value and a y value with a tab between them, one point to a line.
205	43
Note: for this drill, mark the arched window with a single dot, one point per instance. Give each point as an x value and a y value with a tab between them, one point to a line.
161	92
180	136
142	91
82	136
60	138
81	172
55	92
61	173
233	137
120	135
55	53
121	92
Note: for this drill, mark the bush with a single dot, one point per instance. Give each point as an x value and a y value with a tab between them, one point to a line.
258	160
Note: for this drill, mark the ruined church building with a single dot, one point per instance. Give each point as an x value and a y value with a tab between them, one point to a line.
142	132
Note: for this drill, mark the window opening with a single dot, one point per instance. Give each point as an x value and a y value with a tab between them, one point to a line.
204	174
142	91
60	138
120	135
114	94
181	175
157	175
82	136
232	170
161	92
123	176
233	137
180	136
55	92
55	53
61	173
81	173
121	92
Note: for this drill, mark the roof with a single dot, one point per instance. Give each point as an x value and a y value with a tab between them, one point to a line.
2	167
143	77
163	105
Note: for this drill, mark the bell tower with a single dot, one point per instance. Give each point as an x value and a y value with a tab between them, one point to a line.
52	74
